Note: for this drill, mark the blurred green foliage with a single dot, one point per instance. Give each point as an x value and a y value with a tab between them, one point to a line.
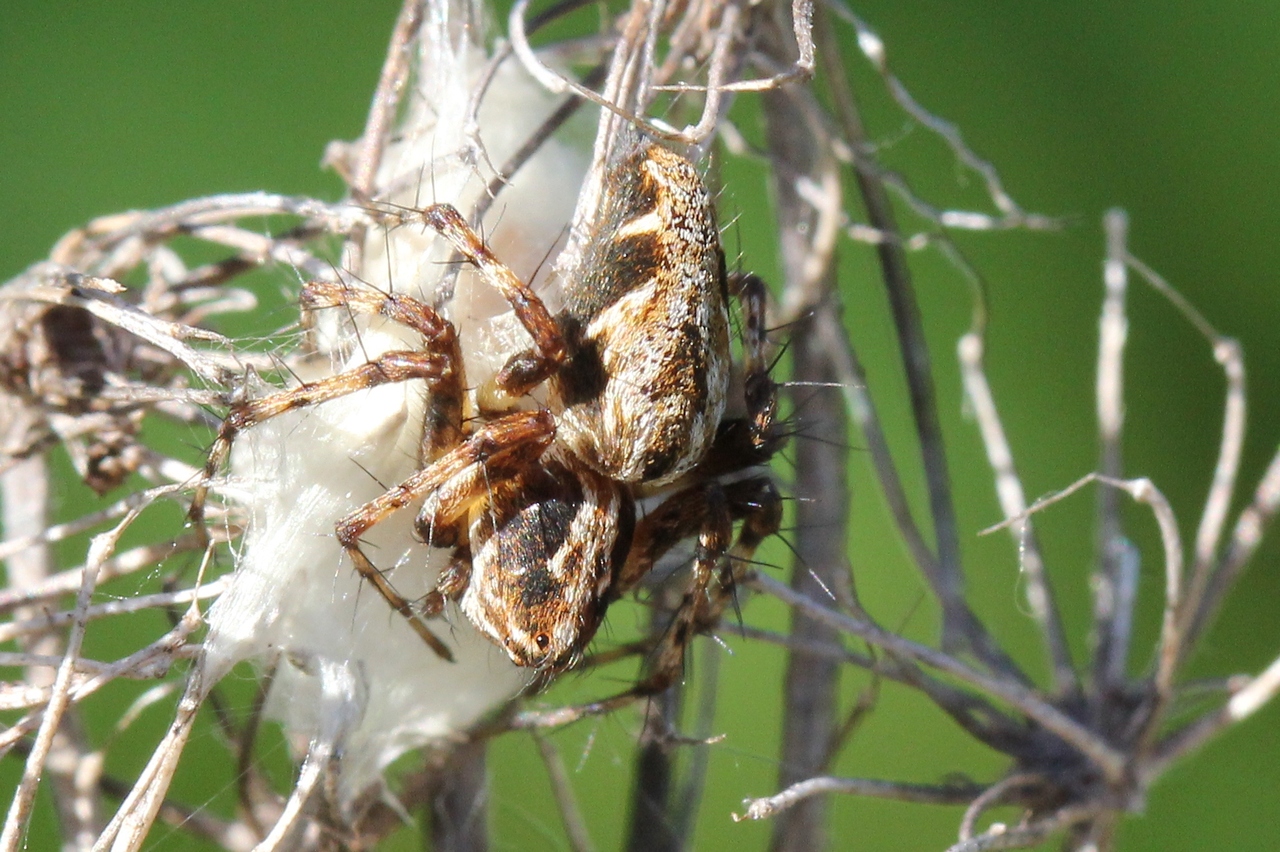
1168	110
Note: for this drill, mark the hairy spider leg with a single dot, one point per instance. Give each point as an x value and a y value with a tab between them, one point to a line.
451	486
526	370
439	364
442	424
760	391
706	510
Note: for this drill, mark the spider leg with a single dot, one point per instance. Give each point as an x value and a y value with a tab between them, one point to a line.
716	566
706	510
388	368
666	662
442	427
451	583
451	485
439	364
525	370
760	391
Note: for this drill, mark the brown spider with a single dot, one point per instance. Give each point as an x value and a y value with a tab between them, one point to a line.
539	506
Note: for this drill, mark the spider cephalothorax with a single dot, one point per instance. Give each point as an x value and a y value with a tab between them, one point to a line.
543	550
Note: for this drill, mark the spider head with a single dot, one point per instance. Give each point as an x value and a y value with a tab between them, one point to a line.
544	546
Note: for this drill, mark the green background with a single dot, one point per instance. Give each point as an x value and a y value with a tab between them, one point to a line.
1166	109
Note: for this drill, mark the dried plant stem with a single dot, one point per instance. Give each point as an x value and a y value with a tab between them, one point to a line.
689	805
997	794
960	629
970	710
128	828
1115	582
1001	836
1245	538
1012	214
152	661
137	604
60	698
459	801
1013	503
60	532
928	794
1108	759
653	825
314	766
1226	352
386	100
861	410
229	835
60	750
122	564
570	814
1246	701
810	688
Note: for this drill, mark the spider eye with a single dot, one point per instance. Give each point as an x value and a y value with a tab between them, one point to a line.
542	640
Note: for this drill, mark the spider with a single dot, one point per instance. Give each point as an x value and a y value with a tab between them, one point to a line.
539	506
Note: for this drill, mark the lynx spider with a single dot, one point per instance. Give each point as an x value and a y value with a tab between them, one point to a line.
539	506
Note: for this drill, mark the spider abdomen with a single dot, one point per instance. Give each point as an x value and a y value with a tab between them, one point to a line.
647	326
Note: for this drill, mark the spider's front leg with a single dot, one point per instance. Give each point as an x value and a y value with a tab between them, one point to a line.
438	363
759	389
708	511
442	419
525	370
452	484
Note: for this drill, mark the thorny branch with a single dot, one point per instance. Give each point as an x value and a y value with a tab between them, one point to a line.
85	360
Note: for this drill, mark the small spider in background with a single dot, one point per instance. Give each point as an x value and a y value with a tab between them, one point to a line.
539	505
62	362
